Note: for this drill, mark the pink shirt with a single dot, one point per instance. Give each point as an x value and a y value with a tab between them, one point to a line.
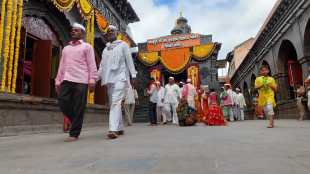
77	64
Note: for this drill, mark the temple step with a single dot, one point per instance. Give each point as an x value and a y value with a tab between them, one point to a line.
141	114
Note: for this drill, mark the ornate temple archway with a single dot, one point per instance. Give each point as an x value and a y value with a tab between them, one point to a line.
290	72
45	30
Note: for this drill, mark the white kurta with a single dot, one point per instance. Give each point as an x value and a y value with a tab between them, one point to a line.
116	66
192	93
240	102
172	96
129	105
160	105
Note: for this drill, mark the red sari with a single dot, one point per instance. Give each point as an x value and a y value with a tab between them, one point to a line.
215	116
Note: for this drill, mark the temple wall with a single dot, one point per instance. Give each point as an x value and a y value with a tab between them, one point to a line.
275	58
29	115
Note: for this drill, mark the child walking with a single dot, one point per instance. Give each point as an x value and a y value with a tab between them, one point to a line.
267	87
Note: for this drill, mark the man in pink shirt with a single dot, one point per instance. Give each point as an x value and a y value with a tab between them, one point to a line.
77	73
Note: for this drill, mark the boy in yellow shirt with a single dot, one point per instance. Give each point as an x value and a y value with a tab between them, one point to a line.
267	88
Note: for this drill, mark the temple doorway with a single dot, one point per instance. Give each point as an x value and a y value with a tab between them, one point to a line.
180	77
38	64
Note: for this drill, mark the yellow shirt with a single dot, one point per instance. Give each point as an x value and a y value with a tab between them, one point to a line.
266	94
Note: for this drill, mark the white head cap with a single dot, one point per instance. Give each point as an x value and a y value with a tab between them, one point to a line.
171	78
188	80
112	27
77	25
238	89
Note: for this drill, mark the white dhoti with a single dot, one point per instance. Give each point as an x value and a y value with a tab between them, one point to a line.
116	93
242	114
172	108
161	114
129	112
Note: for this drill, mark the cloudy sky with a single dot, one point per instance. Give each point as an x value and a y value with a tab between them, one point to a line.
229	21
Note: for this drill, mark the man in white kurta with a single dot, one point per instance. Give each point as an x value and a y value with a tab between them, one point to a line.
115	70
172	98
160	103
235	107
240	102
129	104
189	91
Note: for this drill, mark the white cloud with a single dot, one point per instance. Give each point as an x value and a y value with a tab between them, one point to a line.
229	21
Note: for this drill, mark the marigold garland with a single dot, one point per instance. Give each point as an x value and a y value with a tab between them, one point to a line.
7	44
91	36
64	5
19	26
12	46
2	25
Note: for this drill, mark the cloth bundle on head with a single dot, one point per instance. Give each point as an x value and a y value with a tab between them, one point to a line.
79	26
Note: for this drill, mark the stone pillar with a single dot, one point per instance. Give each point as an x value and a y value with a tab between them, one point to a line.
283	88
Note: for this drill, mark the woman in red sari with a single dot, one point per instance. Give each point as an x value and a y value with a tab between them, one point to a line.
215	115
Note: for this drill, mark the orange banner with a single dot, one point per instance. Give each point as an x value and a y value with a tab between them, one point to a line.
172	42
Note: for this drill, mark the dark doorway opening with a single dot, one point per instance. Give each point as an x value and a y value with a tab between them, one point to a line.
180	77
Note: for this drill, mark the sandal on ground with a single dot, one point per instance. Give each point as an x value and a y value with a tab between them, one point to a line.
112	135
121	132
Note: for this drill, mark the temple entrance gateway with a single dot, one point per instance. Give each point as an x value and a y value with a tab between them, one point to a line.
181	55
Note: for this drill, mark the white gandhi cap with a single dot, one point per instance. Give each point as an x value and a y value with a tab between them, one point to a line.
77	25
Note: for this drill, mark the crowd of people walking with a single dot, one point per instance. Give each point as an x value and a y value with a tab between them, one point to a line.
178	103
184	104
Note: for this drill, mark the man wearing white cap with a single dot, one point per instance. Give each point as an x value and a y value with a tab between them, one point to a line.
171	100
189	92
77	73
116	71
240	102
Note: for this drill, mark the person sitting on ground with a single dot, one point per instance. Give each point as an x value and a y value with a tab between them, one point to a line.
186	116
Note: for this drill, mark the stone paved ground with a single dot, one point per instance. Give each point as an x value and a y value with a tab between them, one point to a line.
241	148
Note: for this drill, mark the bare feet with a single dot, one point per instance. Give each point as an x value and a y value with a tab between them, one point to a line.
270	126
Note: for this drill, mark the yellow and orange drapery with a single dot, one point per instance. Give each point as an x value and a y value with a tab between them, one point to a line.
176	60
12	12
193	74
156	74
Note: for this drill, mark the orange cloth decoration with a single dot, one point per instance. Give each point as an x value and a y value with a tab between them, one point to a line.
101	22
175	60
